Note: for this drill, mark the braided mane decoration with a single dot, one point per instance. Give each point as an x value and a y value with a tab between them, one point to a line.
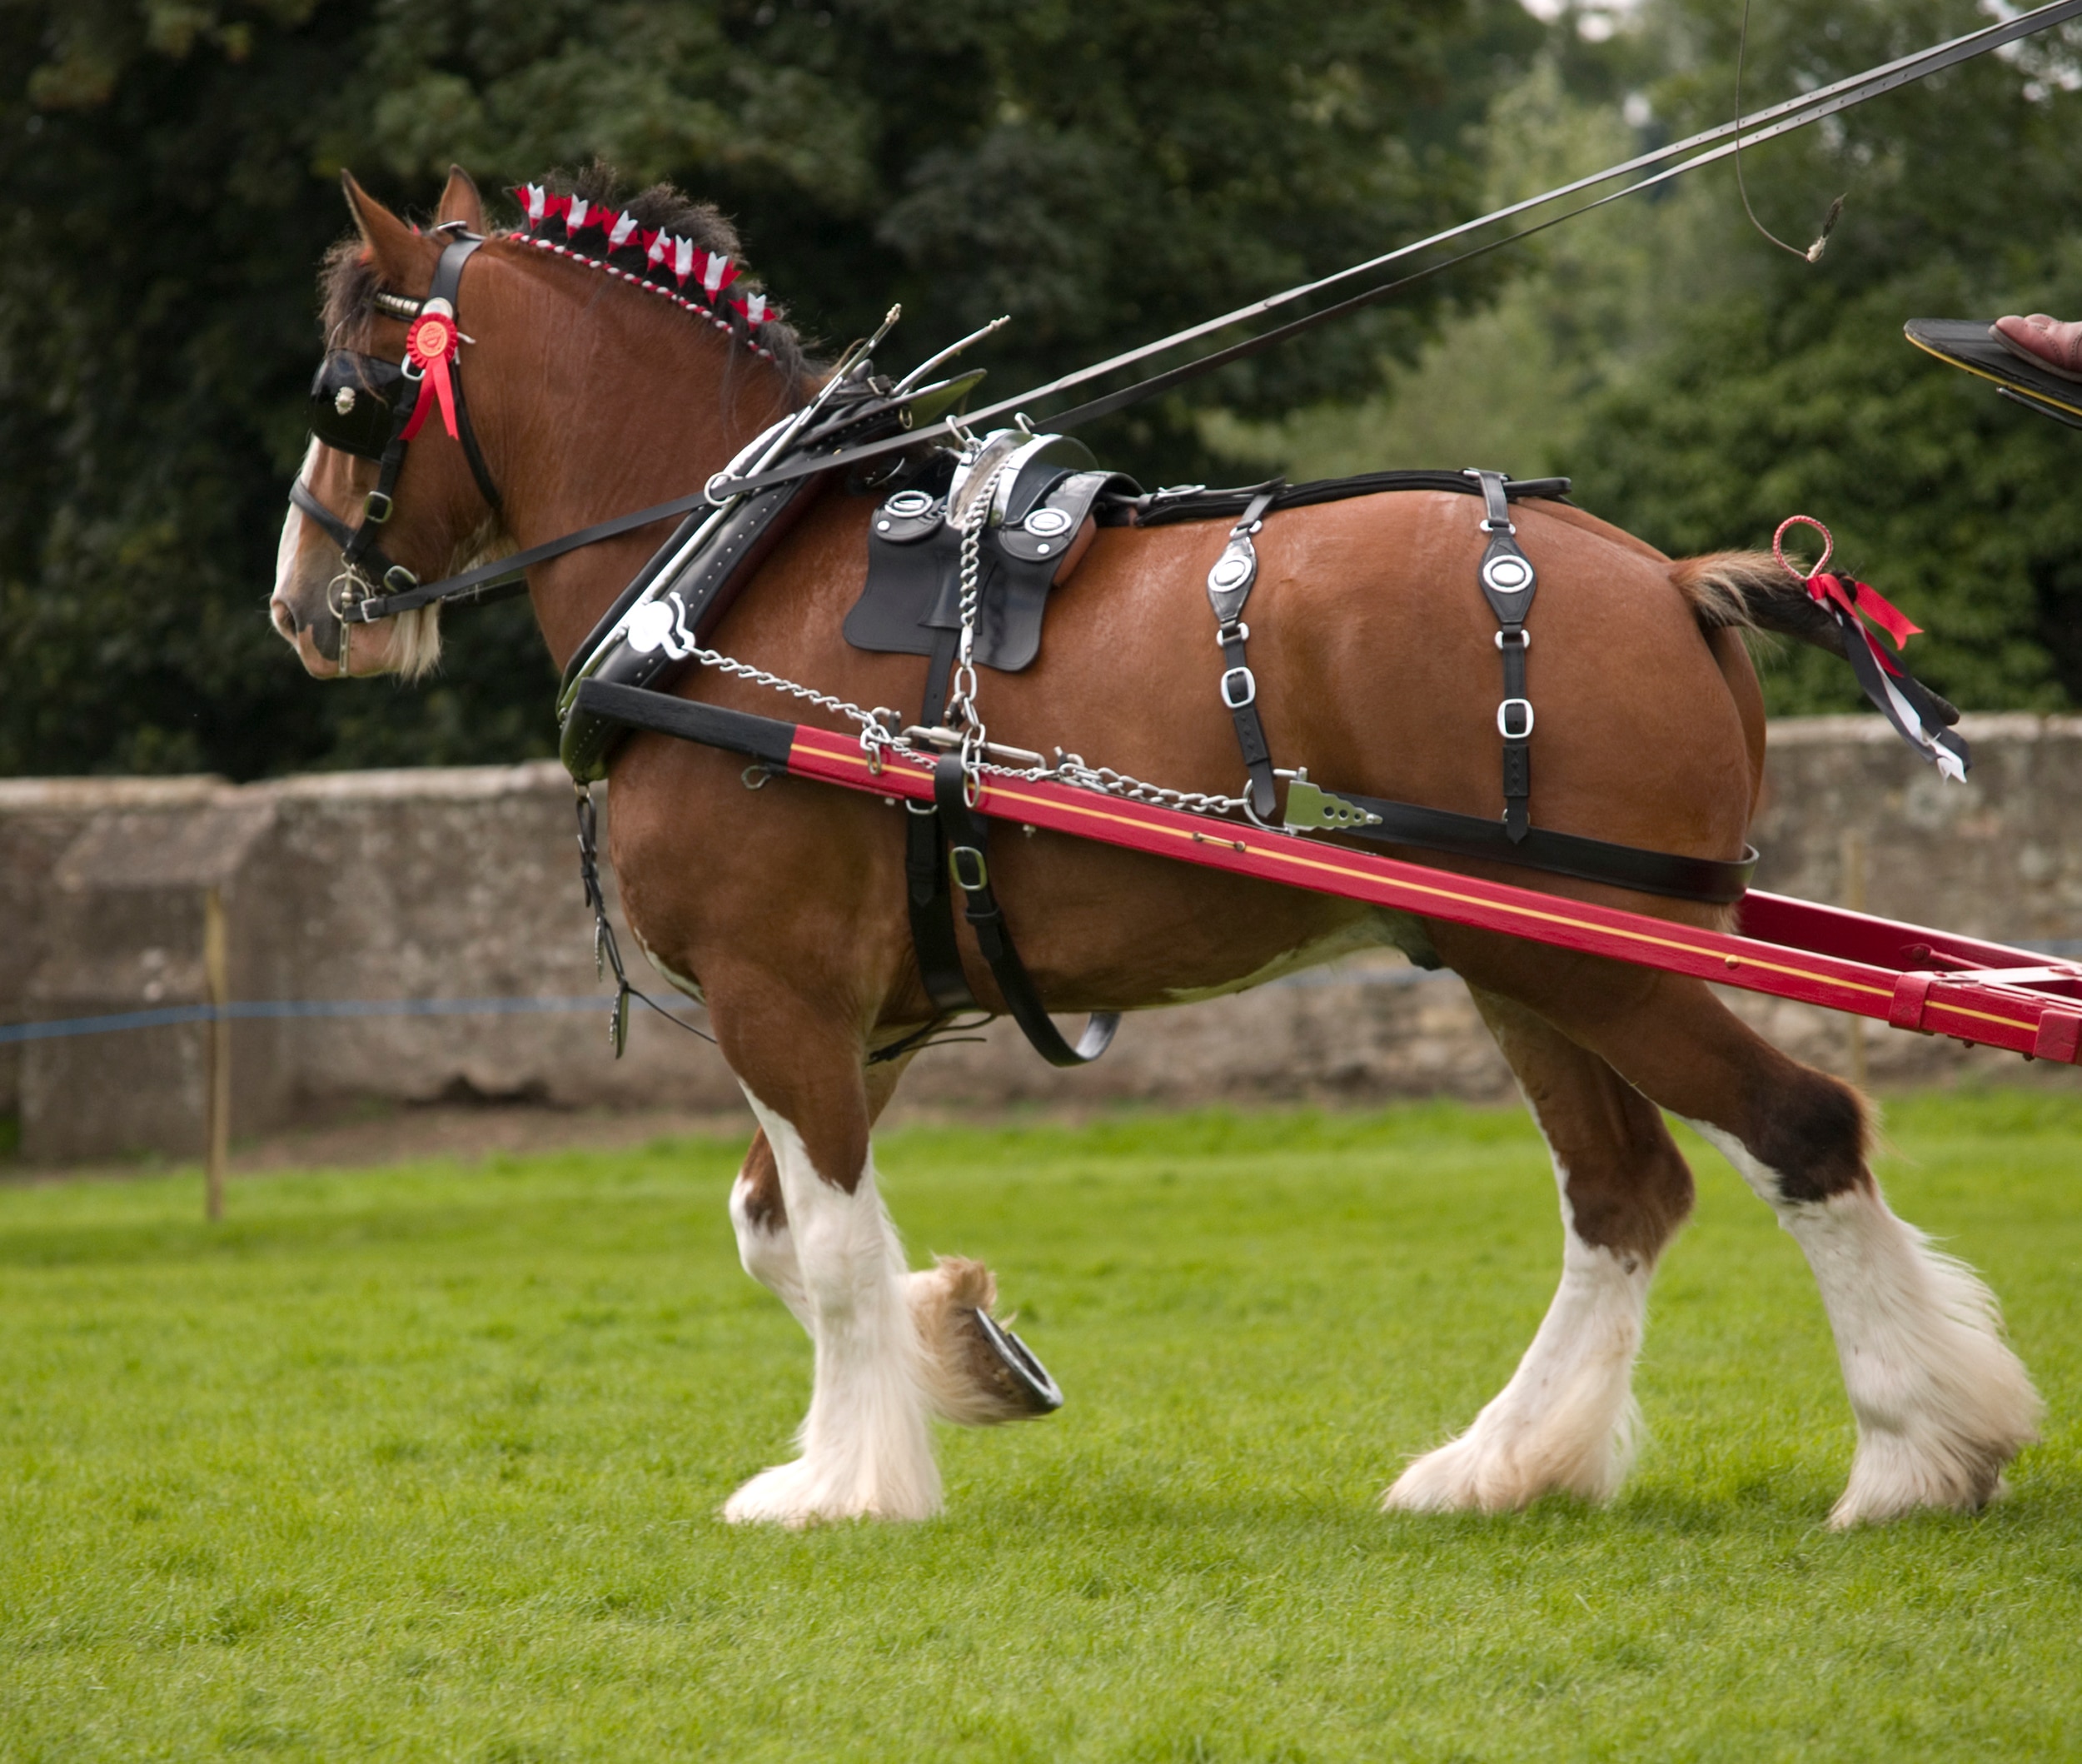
603	236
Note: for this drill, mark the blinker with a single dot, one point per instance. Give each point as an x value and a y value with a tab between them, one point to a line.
353	398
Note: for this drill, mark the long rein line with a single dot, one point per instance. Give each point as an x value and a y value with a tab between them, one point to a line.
1725	141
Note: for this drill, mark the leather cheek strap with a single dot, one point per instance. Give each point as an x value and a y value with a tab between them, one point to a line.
358	546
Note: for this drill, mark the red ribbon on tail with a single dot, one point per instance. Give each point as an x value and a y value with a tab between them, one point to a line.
1919	716
1857	599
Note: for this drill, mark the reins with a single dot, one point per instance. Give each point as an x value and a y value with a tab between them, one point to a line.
1724	141
404	592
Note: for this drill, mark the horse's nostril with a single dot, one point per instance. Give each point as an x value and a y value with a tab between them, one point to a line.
285	619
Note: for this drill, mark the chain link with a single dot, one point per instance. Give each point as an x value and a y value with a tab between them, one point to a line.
871	719
961	698
878	738
1070	769
878	727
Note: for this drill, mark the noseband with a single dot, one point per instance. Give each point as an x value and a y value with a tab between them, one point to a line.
371	408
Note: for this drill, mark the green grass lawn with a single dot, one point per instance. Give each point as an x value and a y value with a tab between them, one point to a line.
423	1464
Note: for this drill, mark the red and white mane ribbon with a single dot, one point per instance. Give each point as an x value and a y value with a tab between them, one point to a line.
669	262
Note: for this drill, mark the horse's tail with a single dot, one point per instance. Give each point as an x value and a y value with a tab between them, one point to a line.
1752	590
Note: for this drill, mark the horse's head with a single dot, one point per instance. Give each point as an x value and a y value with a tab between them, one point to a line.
374	285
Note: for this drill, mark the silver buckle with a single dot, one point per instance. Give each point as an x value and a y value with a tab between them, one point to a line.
974	859
1249	688
1503	715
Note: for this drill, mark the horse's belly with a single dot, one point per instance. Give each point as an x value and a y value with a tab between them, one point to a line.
1374	930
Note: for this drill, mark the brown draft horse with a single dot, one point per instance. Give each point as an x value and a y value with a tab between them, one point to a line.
1376	657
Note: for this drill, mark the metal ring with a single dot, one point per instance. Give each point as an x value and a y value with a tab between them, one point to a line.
1778	546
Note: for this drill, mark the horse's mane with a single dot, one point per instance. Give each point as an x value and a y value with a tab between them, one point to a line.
349	280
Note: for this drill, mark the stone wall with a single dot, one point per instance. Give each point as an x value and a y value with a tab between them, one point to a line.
437	885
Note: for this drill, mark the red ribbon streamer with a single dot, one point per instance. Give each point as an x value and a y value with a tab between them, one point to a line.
432	343
1856	598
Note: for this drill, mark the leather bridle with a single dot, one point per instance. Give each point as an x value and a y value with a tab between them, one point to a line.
348	397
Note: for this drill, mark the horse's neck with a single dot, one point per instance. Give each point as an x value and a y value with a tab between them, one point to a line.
612	408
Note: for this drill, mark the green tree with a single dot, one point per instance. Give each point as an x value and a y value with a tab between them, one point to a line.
1796	392
1104	174
1700	384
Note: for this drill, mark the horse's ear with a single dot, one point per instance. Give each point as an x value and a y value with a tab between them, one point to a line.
459	202
401	256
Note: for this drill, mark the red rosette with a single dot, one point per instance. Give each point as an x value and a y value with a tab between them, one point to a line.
430	346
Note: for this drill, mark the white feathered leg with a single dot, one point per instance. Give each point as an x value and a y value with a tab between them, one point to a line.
1941	1402
766	1249
866	1451
1566	1421
965	1380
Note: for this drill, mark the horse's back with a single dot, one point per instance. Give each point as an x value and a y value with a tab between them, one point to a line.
1377	666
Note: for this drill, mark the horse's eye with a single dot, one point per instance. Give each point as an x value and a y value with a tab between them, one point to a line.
343	400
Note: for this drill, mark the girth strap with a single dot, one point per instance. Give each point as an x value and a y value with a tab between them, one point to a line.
968	861
929	895
1229	585
1508	582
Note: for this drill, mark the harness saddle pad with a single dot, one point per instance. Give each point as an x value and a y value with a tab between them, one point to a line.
913	596
913	587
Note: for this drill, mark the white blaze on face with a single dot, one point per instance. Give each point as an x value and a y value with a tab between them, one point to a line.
293	528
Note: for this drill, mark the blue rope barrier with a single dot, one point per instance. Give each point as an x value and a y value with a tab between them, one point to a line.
2060	947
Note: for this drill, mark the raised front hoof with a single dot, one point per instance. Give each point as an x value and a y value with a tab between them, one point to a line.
1009	1368
978	1372
795	1496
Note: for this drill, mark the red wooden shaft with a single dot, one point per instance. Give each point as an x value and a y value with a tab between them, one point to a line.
1956	1004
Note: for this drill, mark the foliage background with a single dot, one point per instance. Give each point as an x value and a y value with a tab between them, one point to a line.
1106	175
173	169
1699	385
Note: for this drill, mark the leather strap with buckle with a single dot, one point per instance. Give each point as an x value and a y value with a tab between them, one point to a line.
1508	579
1229	585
